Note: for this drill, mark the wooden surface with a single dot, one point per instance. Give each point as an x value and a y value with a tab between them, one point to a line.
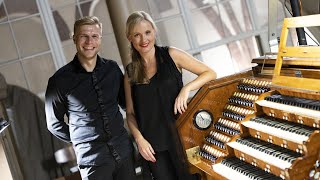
310	54
294	72
213	97
290	67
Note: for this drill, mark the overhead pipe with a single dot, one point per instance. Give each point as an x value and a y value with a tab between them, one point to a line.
295	6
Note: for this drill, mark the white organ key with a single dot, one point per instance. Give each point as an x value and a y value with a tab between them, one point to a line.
228	172
269	159
291	109
276	132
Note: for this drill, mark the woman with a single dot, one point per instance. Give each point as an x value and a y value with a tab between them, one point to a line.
155	94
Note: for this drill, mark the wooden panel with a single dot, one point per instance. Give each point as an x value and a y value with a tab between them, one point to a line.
299	83
302	52
302	21
288	62
306	68
294	72
213	97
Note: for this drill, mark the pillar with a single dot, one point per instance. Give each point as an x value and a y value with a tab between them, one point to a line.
119	11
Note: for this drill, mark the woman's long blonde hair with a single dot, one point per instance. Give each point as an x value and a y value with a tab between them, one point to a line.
136	70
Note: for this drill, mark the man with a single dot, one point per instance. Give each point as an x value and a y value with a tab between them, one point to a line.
87	91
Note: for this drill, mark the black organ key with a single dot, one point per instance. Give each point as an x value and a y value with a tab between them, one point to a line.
226	129
270	149
247	169
240	101
207	155
284	125
215	142
233	115
295	101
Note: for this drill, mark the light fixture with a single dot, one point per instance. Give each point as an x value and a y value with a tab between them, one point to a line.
3	124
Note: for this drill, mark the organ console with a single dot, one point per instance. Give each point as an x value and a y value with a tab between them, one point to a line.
264	126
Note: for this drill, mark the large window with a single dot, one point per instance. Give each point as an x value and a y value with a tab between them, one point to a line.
36	34
221	33
25	58
30	50
66	12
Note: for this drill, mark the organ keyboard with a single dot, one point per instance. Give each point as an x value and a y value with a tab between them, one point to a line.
293	132
262	128
233	168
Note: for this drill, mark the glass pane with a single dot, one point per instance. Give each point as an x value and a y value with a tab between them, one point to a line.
3	15
18	8
207	25
64	18
173	33
60	3
30	36
163	8
242	52
38	70
220	60
86	8
69	50
140	5
263	37
235	17
262	16
8	50
13	74
109	49
101	11
195	4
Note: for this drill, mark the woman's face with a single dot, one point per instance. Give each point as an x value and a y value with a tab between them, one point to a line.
142	37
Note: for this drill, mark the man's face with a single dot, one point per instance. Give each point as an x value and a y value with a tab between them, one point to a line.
88	41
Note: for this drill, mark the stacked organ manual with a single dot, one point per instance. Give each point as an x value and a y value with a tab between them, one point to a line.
258	127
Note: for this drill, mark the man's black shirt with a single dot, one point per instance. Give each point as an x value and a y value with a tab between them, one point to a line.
90	102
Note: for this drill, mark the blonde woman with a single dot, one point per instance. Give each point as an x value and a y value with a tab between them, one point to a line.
155	94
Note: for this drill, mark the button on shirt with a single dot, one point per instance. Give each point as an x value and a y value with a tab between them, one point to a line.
90	102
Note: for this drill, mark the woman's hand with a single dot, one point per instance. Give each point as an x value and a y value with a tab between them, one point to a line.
180	104
145	149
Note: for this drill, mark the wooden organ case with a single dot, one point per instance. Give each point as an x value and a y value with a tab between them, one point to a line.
247	126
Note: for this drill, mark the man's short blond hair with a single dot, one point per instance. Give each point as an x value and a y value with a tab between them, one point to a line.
86	20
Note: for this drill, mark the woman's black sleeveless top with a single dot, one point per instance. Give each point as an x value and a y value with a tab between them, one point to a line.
154	102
